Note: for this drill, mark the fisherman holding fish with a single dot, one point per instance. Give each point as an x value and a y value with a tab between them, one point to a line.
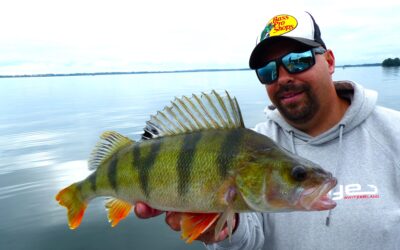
336	124
322	172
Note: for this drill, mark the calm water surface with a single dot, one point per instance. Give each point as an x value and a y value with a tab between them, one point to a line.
48	127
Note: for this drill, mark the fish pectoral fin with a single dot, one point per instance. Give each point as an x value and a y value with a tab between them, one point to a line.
194	224
228	217
70	197
117	210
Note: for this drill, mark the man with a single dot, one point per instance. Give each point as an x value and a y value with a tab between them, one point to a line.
335	124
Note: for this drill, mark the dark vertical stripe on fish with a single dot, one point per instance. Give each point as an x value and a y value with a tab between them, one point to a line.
92	180
79	186
143	164
185	161
229	149
112	172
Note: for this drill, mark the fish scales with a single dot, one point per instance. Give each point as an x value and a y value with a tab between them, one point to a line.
144	159
185	168
177	172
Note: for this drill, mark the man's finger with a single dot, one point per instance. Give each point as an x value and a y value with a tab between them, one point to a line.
173	219
143	211
208	237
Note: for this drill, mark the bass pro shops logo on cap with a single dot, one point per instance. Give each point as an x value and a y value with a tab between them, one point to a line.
279	25
299	27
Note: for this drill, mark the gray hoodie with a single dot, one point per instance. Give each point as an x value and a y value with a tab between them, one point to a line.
363	152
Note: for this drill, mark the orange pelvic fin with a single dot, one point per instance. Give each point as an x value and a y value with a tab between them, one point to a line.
117	210
193	224
71	198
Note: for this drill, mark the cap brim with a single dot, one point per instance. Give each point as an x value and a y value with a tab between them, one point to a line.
257	56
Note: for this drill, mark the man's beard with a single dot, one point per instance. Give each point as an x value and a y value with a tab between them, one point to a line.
293	112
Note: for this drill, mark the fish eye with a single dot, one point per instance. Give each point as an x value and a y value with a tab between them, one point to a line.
299	173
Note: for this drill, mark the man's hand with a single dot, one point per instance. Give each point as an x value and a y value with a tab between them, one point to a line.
173	220
144	212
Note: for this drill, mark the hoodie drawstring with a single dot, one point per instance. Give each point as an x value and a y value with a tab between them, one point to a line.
292	141
341	127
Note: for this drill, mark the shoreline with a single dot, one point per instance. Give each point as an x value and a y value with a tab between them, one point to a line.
156	72
123	73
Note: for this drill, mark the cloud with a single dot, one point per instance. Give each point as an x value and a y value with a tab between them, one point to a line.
87	36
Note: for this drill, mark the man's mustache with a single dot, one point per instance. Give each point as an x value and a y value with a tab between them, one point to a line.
292	87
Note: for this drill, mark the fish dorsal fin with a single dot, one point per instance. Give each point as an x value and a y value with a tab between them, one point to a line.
198	112
110	143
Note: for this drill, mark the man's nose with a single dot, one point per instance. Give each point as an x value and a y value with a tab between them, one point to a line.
284	76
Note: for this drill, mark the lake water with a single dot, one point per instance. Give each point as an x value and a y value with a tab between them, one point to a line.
48	127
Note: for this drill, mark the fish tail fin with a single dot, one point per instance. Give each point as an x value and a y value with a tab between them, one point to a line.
71	198
193	224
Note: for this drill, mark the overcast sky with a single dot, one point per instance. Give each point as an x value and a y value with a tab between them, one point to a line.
50	36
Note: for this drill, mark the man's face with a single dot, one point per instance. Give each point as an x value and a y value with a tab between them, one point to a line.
299	96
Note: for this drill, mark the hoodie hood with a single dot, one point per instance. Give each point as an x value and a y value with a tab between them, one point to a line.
363	102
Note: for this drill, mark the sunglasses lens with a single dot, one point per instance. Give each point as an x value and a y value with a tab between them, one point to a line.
298	62
268	73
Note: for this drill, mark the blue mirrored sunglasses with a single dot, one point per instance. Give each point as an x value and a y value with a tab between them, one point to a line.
294	62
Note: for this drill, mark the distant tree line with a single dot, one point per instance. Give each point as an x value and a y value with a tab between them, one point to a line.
389	62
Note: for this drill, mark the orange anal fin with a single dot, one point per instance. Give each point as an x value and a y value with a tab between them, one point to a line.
194	224
117	210
70	198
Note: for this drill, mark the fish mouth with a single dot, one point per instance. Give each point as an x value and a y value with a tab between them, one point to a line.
316	199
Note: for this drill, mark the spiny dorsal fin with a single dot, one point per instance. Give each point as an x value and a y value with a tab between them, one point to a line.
110	143
185	115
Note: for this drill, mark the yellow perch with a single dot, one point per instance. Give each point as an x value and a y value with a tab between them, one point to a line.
196	156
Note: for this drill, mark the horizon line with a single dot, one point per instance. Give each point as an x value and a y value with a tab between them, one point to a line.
122	72
154	71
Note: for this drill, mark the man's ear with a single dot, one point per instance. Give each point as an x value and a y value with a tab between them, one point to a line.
330	59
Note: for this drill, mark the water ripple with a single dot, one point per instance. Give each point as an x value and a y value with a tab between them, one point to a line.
31	139
13	190
27	161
